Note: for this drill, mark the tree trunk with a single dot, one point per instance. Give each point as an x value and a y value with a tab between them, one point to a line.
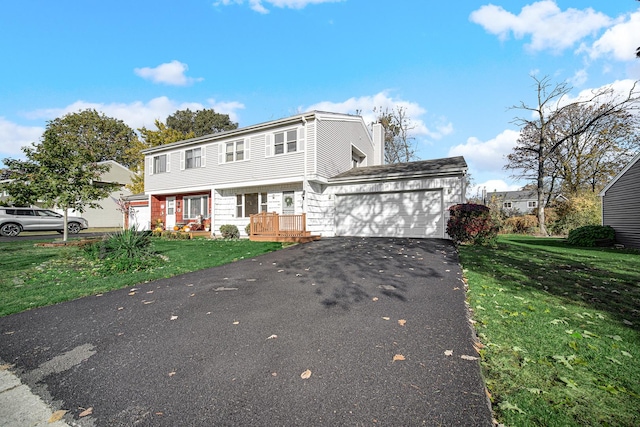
65	230
540	188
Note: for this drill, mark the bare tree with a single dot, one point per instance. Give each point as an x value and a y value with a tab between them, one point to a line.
399	145
535	149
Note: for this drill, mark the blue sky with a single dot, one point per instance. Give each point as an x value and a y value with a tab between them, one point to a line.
455	67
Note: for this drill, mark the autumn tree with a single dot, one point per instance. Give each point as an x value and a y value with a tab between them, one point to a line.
544	134
399	145
60	172
200	122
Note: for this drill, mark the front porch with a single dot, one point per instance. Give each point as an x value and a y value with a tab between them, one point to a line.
273	227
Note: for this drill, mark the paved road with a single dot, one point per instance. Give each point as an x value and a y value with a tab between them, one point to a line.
227	346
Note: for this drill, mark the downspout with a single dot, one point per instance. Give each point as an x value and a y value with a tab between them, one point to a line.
305	182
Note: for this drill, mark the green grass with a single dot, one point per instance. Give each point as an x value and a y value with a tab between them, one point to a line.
560	328
33	276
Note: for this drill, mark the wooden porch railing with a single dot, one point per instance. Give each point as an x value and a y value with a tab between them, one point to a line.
272	226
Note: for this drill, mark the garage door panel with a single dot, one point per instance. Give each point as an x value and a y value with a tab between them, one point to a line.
399	214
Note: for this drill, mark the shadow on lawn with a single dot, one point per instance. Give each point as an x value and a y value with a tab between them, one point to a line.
594	277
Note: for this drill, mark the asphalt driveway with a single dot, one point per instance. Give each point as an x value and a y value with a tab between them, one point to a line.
379	326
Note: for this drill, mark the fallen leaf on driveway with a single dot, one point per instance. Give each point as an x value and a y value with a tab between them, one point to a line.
272	337
131	293
57	416
172	373
386	318
305	375
236	323
465	357
375	299
448	352
10	332
86	412
402	322
398	357
173	317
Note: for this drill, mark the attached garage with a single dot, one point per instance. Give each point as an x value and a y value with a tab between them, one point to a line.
398	200
415	213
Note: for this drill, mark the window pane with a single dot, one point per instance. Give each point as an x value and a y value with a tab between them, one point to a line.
240	150
279	138
239	206
291	135
263	202
291	147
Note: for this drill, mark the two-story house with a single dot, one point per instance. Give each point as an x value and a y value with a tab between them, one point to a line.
326	165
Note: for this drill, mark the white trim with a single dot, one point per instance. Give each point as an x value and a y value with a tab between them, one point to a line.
266	182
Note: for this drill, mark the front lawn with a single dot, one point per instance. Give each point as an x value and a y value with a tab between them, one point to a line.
560	331
33	276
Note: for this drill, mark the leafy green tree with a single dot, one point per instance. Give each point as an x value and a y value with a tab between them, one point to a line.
105	138
200	122
58	172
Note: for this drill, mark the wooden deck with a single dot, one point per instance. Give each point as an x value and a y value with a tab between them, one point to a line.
272	227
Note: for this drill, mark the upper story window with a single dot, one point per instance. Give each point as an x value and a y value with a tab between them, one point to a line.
234	151
532	204
506	205
193	158
285	142
160	163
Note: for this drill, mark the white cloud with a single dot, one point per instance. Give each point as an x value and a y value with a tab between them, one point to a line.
382	100
547	25
14	136
619	41
579	78
487	156
138	114
617	90
170	73
257	5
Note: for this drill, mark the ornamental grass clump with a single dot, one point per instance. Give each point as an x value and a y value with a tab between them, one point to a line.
125	251
471	223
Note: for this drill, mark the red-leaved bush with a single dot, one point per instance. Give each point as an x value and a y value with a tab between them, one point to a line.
471	223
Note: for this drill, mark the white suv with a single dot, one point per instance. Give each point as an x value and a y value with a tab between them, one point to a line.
15	220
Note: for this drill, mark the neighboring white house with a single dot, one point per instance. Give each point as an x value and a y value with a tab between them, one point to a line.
108	216
326	165
621	204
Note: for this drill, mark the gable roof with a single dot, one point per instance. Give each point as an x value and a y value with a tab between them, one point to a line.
297	119
622	172
418	169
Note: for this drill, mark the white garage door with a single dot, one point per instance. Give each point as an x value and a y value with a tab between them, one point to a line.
141	217
397	214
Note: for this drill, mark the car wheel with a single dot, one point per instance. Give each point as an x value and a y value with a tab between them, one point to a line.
10	230
73	227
